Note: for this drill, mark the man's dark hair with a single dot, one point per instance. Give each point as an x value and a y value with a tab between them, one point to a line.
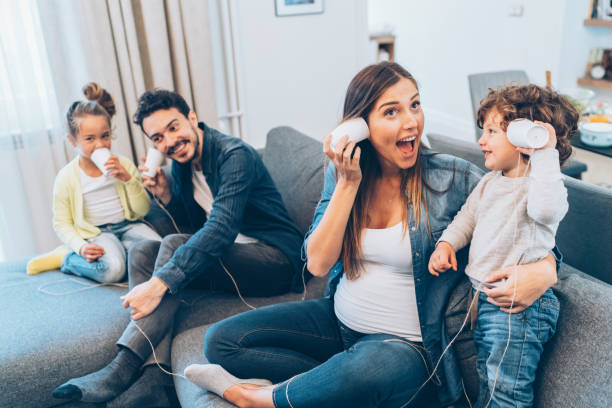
158	99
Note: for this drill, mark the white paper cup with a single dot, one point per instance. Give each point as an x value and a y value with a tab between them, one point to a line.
525	133
154	160
99	157
356	129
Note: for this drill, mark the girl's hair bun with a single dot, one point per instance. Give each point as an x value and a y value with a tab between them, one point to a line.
94	92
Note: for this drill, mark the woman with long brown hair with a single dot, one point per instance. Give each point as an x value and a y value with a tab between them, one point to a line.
377	335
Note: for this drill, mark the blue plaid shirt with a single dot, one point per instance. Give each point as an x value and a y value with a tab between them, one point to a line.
245	200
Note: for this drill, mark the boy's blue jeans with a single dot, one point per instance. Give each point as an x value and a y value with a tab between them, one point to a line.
316	361
529	330
116	239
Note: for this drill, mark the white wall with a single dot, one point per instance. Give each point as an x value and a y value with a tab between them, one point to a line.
441	42
295	70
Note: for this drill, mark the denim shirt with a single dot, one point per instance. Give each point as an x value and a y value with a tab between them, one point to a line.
447	182
245	200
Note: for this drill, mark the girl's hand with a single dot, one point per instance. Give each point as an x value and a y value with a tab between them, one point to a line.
442	259
157	185
91	252
116	169
531	280
347	167
552	139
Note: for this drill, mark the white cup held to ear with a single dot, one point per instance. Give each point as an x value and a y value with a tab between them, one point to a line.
525	133
356	129
154	160
99	157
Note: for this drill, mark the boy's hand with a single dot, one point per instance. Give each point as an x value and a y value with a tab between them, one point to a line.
157	185
552	139
116	169
91	252
442	259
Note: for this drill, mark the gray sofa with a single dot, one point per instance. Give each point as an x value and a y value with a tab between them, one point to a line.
55	328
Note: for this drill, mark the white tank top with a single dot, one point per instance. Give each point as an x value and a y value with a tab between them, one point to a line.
382	299
101	202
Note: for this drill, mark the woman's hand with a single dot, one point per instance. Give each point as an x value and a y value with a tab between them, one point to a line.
345	161
91	252
116	169
157	185
531	280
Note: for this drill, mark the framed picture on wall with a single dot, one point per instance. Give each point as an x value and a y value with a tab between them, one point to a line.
296	7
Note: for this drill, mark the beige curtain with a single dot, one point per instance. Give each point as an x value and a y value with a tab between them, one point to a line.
130	46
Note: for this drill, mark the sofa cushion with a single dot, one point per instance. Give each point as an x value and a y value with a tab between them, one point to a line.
55	327
575	369
295	162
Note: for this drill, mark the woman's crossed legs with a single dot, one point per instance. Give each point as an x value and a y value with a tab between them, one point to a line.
314	360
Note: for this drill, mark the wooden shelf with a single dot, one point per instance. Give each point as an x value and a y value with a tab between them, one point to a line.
598	22
384	43
595	83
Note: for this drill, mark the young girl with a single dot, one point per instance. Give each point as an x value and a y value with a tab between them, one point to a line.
95	216
511	218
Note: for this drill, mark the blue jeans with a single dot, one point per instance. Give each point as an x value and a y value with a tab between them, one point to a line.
315	360
116	239
530	329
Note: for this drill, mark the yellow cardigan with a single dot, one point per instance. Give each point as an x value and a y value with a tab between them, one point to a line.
68	217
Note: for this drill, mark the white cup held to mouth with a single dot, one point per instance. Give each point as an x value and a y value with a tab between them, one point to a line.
356	129
154	160
99	157
525	133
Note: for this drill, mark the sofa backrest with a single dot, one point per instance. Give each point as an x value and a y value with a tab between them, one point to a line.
584	236
296	162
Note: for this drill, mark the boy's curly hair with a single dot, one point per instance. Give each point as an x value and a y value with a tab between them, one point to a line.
534	103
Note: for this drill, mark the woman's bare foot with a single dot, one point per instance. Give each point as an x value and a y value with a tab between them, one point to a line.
250	395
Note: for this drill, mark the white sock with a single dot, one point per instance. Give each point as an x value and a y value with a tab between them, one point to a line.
214	378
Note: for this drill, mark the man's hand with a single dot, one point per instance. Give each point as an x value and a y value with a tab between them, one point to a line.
91	252
442	259
157	185
144	298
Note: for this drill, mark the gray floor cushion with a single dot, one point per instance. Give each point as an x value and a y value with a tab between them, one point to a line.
48	338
